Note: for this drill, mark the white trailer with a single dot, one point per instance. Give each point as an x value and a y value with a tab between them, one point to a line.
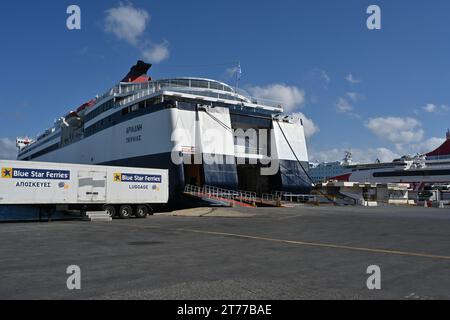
120	191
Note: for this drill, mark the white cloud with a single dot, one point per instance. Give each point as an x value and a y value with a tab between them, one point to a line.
406	134
322	75
290	97
427	145
308	124
383	154
231	72
156	52
343	106
351	79
129	24
399	131
126	22
8	149
432	108
368	155
354	96
329	155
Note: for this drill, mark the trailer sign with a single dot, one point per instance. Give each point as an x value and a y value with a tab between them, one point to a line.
17	173
80	186
131	177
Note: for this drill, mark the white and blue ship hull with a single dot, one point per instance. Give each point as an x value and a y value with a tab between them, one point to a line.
143	125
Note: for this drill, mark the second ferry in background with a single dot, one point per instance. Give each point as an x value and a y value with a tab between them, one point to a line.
420	171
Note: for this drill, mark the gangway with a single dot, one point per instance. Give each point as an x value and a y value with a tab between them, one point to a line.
243	198
229	198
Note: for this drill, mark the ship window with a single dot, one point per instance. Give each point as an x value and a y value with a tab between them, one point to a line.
180	83
247	144
199	84
125	111
215	86
134	107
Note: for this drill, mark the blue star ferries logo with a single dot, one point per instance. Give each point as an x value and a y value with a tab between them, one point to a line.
7	173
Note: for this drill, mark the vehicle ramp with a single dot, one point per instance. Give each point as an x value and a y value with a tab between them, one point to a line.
220	196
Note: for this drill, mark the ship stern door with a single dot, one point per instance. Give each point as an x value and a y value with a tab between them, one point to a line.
193	173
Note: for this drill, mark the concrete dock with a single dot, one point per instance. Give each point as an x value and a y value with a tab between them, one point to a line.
243	253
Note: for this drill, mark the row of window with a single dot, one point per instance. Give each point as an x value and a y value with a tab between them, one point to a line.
410	173
123	115
43	151
99	110
39	143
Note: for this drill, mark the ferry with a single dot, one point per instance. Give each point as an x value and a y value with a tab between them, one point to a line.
180	124
420	171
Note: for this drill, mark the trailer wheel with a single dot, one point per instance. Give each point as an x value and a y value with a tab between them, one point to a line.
141	211
125	212
110	210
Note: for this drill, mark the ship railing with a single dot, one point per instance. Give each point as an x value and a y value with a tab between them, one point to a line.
280	194
299	198
192	189
247	196
221	193
268	197
214	90
259	100
291	197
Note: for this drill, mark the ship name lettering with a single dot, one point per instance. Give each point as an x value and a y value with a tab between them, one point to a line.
134	129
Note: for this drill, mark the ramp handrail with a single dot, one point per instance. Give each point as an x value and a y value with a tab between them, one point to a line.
247	196
230	195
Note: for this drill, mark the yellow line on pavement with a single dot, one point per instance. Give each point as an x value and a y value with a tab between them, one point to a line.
303	243
323	245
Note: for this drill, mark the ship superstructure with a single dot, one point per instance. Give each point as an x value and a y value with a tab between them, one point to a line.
204	131
323	171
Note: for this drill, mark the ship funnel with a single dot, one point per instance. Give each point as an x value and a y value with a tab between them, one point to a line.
138	73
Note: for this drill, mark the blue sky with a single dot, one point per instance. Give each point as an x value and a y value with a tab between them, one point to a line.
380	93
